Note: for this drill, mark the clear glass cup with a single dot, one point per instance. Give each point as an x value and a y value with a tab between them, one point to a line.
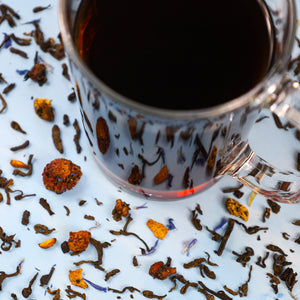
169	154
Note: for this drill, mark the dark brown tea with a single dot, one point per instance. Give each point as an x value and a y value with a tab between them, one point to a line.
176	54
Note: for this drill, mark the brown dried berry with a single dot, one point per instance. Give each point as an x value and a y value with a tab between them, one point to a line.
60	175
120	210
79	241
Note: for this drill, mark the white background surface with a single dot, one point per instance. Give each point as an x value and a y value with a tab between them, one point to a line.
278	146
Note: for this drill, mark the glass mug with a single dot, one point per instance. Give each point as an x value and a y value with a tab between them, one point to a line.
169	154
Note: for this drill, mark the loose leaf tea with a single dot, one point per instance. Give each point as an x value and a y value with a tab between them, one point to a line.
43	229
46	205
105	126
26	292
57	139
4	104
103	138
111	274
46	278
18	52
25	217
29	167
9	15
225	237
20	147
77	136
4	276
15	125
9	88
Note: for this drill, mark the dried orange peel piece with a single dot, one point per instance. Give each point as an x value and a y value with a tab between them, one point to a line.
159	230
43	108
79	241
61	175
76	278
162	175
48	243
18	164
237	209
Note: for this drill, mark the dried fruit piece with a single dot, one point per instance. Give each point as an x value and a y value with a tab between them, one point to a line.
161	271
48	243
158	229
18	164
60	175
120	210
38	73
212	159
237	209
135	176
44	109
76	278
162	175
79	241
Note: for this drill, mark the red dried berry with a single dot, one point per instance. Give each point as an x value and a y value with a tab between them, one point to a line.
161	271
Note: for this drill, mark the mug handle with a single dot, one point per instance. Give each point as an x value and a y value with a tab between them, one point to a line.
256	173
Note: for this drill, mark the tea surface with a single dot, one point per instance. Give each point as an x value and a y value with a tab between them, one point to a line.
174	54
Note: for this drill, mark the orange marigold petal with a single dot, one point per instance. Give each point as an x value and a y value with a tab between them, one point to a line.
76	278
44	109
159	230
162	175
48	243
18	164
237	209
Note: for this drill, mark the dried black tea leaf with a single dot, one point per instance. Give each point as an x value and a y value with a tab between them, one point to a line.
43	229
46	205
26	292
225	237
77	136
25	217
20	147
18	52
57	139
9	88
111	274
103	137
46	278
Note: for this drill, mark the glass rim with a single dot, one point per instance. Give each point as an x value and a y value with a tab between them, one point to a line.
213	111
